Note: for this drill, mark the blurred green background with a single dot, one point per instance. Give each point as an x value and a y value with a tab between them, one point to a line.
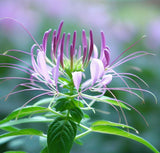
123	22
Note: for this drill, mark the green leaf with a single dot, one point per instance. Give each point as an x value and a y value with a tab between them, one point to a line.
43	101
119	132
63	104
10	129
21	112
14	152
60	136
23	132
45	150
76	114
107	100
115	102
113	124
26	120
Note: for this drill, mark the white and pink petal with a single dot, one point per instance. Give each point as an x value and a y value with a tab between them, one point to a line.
77	78
96	69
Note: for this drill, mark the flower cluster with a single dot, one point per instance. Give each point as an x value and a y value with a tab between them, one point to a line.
67	64
70	63
62	75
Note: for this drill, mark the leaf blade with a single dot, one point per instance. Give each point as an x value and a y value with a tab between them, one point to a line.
114	102
103	122
76	114
22	112
60	136
23	132
116	131
25	120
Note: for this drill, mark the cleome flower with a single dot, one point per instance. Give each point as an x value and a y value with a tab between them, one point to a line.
64	71
66	65
63	75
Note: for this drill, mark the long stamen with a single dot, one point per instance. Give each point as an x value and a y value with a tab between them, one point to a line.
128	49
71	56
74	40
61	52
91	46
67	44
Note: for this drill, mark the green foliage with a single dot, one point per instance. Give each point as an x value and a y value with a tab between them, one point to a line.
110	128
76	114
43	101
64	116
108	100
23	132
113	102
25	120
45	150
9	128
61	134
21	112
71	105
63	104
113	124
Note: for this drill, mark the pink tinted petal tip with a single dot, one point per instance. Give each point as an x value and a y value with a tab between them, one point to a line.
106	79
77	77
96	69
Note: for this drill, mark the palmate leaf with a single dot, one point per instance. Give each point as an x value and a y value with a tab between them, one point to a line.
61	134
21	112
107	129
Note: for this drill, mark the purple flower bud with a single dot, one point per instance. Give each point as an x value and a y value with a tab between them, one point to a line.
67	44
91	45
106	57
61	50
84	39
53	44
59	31
74	40
45	38
103	44
71	55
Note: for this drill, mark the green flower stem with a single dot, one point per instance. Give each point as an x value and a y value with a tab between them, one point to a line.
83	134
54	112
61	94
92	97
83	126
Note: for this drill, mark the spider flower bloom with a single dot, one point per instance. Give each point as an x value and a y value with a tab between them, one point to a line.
70	63
66	66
